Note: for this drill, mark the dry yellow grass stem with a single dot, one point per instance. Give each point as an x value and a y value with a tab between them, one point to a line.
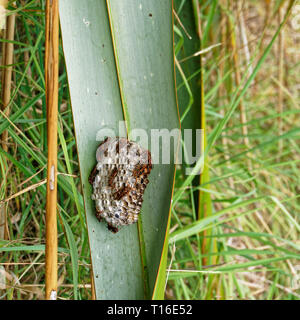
51	79
7	60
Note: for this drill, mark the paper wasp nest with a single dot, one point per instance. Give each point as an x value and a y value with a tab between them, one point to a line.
119	181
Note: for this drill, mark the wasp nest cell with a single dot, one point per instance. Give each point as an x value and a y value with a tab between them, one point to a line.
119	181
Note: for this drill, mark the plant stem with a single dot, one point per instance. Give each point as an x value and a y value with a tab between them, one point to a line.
7	60
51	80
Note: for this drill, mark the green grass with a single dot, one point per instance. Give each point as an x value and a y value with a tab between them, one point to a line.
254	189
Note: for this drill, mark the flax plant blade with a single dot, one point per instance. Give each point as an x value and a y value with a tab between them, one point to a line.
119	62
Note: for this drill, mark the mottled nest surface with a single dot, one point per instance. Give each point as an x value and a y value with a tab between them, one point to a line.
119	180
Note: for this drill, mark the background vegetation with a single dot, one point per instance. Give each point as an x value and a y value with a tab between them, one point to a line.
242	242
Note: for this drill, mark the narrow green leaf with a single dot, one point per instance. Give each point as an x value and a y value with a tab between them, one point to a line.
73	253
